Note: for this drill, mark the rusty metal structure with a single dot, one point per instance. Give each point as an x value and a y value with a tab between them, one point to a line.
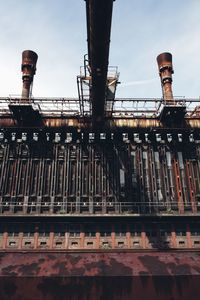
99	196
29	60
166	70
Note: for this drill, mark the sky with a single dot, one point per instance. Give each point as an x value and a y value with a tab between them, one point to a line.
56	31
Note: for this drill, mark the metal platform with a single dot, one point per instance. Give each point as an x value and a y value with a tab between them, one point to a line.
172	114
25	113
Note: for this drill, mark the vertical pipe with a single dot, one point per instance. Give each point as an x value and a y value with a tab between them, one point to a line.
183	179
165	67
170	176
153	177
140	168
29	60
179	189
78	177
147	191
134	173
158	176
190	186
166	181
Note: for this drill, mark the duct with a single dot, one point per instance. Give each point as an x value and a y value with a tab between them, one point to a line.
99	15
165	67
29	60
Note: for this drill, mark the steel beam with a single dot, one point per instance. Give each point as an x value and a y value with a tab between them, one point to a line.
99	16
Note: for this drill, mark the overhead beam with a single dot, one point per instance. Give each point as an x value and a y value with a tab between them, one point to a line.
99	17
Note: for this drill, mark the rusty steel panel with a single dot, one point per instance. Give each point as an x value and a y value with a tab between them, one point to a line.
119	263
122	275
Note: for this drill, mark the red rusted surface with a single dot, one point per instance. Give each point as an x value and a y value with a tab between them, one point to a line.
99	263
100	275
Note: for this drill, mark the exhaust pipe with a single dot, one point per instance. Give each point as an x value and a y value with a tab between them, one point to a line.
29	60
165	67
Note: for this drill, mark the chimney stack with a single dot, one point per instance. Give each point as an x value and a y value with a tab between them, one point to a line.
29	60
165	67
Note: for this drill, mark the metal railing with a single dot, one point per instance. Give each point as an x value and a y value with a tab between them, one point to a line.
122	107
138	208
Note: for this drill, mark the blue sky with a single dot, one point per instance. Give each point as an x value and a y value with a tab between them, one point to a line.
141	30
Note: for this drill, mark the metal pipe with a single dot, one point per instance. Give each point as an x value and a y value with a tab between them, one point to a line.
165	67
99	16
29	60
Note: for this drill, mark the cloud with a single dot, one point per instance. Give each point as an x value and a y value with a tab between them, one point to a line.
137	82
57	32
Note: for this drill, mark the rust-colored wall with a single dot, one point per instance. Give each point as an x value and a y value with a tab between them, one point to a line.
101	288
100	275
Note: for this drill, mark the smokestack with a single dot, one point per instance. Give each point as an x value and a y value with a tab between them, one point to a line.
29	60
165	67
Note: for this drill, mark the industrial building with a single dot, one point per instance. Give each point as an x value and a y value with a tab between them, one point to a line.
99	196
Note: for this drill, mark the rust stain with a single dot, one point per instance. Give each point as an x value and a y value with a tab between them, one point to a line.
99	264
